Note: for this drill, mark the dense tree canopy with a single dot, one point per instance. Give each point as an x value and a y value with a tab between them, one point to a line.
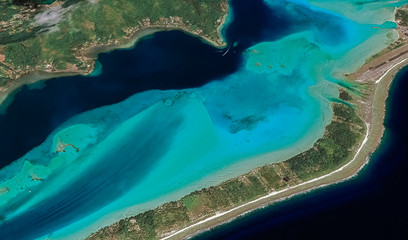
33	3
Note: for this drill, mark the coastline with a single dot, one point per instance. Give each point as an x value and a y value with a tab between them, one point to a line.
371	111
374	78
93	51
90	54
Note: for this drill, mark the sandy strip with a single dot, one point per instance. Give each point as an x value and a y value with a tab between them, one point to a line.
382	77
361	162
278	192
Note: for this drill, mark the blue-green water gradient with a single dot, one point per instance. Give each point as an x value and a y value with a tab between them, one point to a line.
123	147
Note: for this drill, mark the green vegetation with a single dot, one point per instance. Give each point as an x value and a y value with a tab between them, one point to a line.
28	2
402	17
335	149
58	44
7	11
352	87
23	57
394	45
16	22
345	96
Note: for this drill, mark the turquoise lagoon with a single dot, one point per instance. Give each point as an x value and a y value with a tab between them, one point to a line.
156	146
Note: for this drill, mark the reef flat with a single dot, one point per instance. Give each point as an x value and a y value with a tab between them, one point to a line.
279	112
327	155
355	127
201	209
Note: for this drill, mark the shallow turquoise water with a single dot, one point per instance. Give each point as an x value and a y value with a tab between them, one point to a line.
157	146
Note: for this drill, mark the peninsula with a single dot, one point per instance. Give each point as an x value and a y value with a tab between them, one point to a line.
346	147
64	38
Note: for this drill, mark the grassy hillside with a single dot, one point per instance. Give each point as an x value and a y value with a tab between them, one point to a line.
53	37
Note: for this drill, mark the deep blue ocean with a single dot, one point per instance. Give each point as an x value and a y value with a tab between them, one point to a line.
169	60
372	205
165	61
175	60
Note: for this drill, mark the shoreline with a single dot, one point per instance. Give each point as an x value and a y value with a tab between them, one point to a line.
374	109
270	195
91	53
367	143
367	146
375	78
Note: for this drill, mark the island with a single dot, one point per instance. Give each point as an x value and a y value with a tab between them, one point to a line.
346	147
40	38
52	47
